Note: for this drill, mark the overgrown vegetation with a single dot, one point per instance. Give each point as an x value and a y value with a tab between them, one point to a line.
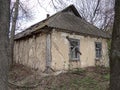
109	46
90	78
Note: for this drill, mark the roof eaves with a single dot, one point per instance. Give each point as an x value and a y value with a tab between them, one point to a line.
80	33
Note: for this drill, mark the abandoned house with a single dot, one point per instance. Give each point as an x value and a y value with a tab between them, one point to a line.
62	41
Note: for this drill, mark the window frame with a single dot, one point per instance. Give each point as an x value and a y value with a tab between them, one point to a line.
98	54
78	57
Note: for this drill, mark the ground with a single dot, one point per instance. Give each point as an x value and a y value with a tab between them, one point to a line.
90	78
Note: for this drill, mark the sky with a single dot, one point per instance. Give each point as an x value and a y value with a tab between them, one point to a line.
37	11
40	9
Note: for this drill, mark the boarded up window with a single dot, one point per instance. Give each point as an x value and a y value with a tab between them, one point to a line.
98	48
74	49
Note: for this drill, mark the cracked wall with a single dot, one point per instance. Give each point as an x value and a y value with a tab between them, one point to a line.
31	51
60	51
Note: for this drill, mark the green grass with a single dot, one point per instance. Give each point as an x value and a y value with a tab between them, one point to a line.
90	78
78	71
80	79
106	77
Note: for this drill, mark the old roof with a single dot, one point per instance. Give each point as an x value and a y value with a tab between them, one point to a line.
66	20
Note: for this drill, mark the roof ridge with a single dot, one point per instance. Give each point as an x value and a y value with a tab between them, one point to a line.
60	20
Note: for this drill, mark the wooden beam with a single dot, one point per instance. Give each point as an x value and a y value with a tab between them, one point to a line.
48	51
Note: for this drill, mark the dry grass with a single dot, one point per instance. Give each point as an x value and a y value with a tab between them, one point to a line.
90	78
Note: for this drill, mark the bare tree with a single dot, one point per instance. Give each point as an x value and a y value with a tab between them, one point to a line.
18	12
115	51
4	39
14	16
89	10
96	12
108	15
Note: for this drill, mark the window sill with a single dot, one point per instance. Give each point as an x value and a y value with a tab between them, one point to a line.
74	60
97	59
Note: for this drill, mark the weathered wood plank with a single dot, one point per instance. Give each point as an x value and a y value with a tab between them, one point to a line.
48	50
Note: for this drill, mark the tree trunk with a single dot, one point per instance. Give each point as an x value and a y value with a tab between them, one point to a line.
4	38
115	51
14	20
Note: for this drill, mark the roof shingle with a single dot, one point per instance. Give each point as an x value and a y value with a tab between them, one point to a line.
67	20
